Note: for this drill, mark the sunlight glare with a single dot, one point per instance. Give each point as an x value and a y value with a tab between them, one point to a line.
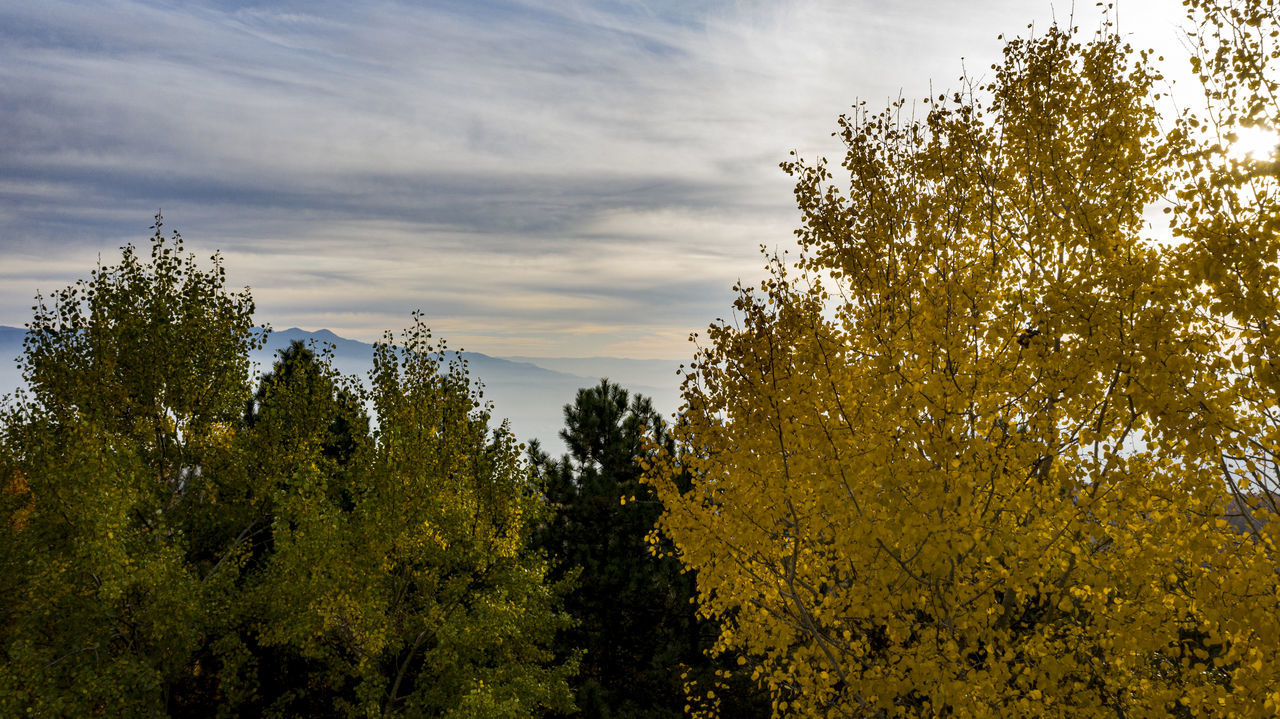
1256	143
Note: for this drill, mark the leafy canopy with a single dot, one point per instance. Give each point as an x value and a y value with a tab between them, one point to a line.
173	543
972	454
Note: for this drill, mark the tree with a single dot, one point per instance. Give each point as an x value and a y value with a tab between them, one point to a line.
635	627
969	455
302	453
154	352
1227	208
399	580
173	543
138	376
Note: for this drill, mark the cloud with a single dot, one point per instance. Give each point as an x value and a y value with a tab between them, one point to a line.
545	176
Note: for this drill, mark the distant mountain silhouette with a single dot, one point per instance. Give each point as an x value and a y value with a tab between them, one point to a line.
530	392
626	372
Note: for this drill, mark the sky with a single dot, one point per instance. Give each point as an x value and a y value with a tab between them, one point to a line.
563	178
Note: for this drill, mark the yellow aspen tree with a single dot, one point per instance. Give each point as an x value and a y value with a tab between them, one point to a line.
973	452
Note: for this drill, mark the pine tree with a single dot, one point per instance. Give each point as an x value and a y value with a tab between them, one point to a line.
641	641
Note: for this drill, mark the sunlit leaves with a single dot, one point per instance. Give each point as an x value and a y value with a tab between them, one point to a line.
970	453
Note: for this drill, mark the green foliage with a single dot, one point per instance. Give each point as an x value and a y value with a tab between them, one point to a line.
175	544
636	625
153	352
136	374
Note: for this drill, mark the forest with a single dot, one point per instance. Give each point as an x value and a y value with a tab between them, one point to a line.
987	445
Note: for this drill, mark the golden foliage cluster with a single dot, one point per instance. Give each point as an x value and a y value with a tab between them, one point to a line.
990	447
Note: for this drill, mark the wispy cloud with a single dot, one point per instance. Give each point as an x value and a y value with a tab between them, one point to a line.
539	177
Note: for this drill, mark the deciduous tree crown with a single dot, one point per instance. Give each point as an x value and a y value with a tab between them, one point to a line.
173	544
971	453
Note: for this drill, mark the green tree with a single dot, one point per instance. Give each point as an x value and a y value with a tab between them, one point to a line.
174	544
138	376
635	624
153	352
411	592
304	433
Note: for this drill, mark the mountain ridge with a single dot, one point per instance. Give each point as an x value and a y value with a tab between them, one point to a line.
529	392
